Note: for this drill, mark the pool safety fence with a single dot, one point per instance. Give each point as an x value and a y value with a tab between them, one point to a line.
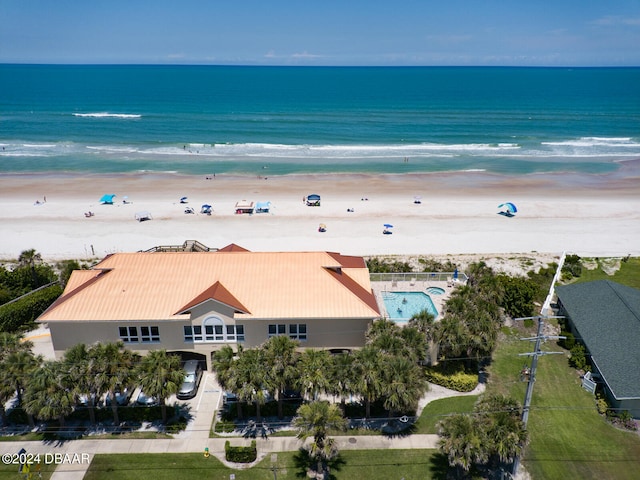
413	277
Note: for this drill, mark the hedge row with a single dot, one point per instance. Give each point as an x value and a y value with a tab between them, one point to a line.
460	381
21	314
240	454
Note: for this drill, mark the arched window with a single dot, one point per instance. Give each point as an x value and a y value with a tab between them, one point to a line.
216	331
213	329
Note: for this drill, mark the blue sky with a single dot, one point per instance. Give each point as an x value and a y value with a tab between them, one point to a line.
322	32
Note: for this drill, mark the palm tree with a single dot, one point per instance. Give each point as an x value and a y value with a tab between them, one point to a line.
160	376
13	342
381	327
47	395
315	419
281	357
314	369
17	368
367	367
224	364
250	378
343	379
81	368
450	335
30	258
505	431
402	384
462	441
6	393
115	367
424	322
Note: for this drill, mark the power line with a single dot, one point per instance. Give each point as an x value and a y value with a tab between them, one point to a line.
530	375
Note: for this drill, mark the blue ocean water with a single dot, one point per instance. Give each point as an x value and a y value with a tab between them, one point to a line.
241	120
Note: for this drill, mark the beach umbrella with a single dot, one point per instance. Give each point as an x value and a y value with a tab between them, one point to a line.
206	205
388	225
455	274
183	199
510	207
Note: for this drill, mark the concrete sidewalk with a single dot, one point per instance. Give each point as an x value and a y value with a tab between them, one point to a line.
74	457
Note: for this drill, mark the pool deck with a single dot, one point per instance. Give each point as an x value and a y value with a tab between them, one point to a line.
414	286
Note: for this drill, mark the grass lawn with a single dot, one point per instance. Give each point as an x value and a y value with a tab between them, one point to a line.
568	439
629	273
438	409
370	464
11	471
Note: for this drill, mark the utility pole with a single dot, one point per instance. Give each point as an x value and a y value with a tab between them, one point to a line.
532	372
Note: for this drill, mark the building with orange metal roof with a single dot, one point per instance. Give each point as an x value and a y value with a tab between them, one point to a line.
196	302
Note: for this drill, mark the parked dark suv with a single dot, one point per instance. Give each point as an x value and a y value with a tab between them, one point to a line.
191	381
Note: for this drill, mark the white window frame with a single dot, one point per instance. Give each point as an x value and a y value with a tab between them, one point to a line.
152	335
213	330
278	329
131	335
298	331
193	333
295	331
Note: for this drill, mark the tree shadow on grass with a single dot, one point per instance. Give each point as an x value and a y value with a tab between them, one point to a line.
439	467
303	463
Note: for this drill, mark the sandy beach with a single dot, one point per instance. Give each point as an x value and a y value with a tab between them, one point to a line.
591	215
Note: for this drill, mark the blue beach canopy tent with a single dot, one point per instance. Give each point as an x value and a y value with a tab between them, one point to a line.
387	229
509	209
107	199
183	200
263	207
206	208
313	200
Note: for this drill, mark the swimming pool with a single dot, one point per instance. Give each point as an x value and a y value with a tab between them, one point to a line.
401	306
435	290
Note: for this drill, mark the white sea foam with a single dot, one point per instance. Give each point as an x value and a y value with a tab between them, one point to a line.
112	149
107	115
624	142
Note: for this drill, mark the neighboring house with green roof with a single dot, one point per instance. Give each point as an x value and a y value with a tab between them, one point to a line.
605	317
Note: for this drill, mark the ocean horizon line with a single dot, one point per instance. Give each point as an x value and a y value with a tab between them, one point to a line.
285	66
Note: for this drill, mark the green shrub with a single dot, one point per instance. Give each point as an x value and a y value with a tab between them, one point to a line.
18	316
519	295
383	265
224	426
459	381
602	405
176	425
578	358
572	266
568	342
240	454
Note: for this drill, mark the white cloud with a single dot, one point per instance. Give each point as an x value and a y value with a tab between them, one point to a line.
616	21
306	55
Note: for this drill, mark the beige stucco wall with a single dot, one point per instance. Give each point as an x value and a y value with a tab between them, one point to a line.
65	335
321	333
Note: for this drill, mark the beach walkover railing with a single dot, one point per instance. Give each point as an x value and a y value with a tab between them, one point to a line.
412	277
187	246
